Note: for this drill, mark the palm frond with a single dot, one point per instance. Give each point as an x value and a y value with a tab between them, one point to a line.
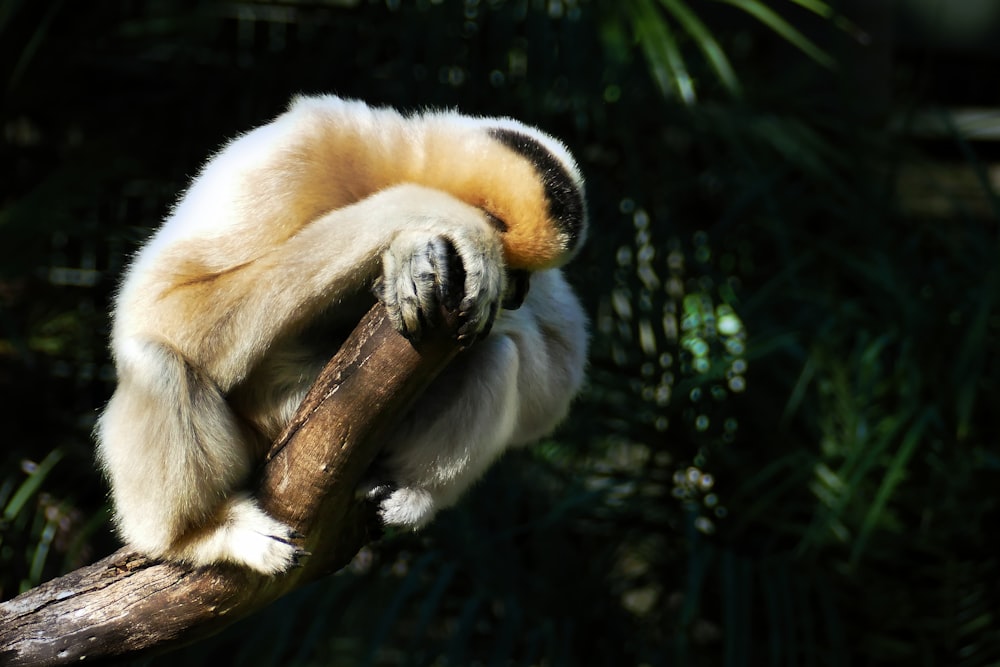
658	43
706	42
762	12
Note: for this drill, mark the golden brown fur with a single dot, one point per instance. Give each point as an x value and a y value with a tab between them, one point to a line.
226	314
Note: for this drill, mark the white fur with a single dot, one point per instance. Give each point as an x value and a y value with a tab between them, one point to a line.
289	228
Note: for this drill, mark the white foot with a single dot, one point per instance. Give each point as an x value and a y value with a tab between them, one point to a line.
245	535
406	507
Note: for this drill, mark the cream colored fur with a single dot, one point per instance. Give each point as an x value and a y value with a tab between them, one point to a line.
226	315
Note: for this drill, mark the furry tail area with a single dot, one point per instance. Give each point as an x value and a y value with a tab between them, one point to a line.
169	444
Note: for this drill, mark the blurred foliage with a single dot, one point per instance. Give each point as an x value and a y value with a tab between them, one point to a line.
654	27
785	454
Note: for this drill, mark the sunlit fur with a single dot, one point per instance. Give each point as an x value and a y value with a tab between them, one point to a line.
226	315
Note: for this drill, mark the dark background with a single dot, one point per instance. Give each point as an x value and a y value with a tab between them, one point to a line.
787	451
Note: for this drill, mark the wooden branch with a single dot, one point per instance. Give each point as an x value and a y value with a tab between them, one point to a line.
127	605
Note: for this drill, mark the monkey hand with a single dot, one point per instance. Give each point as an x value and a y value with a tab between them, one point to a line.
462	272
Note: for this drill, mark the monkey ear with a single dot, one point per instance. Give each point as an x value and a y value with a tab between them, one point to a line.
517	288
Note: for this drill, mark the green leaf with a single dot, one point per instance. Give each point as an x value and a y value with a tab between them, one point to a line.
31	485
786	30
661	50
823	9
893	477
706	42
31	47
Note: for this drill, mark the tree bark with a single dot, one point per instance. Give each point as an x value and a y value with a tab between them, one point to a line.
127	605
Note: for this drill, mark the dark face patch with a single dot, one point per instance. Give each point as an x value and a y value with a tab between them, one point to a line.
566	207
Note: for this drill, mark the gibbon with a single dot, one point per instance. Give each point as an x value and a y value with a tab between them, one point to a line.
278	247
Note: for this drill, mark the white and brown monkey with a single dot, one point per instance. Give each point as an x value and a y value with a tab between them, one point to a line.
274	253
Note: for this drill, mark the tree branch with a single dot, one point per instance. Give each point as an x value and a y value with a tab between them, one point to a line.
127	605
